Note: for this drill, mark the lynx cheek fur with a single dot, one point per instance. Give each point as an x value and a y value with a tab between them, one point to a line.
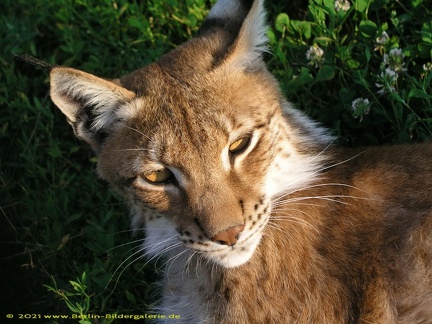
260	217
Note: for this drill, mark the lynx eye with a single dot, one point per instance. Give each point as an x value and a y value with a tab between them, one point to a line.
158	177
239	145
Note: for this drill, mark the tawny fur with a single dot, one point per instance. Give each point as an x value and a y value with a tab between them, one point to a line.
361	254
328	234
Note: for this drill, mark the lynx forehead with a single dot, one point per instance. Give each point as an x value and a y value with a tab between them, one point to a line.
260	217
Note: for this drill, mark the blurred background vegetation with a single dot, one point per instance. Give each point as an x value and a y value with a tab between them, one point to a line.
363	68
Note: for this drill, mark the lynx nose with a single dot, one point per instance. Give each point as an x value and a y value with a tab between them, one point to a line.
228	236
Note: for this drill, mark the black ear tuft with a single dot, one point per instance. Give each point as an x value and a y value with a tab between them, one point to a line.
33	61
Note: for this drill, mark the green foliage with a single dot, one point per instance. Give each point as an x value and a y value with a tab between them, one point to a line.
63	223
78	301
57	219
362	67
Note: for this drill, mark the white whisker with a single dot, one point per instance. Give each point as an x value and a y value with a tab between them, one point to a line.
132	149
326	197
139	132
318	186
128	243
115	271
172	259
314	173
295	220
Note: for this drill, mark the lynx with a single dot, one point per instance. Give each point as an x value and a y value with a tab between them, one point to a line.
260	216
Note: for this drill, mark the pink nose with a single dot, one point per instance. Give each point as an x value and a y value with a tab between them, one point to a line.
228	236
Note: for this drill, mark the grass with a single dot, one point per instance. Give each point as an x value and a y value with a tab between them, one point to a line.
66	247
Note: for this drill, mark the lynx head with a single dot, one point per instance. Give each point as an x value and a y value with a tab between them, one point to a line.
200	142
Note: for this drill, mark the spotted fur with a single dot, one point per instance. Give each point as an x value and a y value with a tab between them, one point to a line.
289	228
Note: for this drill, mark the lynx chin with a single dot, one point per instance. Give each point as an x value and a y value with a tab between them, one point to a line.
259	216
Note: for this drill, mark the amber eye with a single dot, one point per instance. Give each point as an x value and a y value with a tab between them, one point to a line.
158	177
239	145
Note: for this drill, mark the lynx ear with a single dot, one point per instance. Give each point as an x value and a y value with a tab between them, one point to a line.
92	105
242	25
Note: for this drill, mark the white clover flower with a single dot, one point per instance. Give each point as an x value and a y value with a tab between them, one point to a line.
381	41
427	67
394	60
343	5
389	74
396	52
388	80
360	103
360	107
315	56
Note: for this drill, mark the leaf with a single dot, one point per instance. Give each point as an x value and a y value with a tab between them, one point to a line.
302	27
271	36
304	77
306	29
424	49
361	5
352	64
137	23
329	6
63	242
367	54
323	40
75	285
130	297
72	307
395	96
325	73
282	21
359	77
426	32
416	93
368	28
346	95
85	321
84	278
426	37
